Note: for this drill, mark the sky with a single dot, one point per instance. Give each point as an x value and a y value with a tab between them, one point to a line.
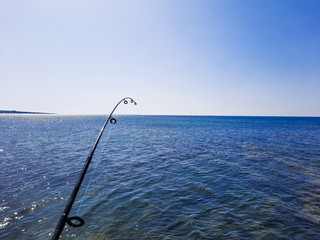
174	57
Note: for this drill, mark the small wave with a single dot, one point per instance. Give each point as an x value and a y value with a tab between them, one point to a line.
6	221
3	208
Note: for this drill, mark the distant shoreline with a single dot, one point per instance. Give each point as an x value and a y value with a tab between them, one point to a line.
20	112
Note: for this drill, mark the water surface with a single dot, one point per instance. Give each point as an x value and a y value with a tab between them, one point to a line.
162	177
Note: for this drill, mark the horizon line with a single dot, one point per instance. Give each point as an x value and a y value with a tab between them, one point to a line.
14	112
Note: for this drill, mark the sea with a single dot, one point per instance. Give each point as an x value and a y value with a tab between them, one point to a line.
161	177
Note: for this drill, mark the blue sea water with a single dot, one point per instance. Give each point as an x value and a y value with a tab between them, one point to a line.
161	177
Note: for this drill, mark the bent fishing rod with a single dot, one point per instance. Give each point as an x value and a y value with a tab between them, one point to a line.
77	221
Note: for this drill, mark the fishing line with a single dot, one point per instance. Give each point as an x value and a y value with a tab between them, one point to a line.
94	170
71	223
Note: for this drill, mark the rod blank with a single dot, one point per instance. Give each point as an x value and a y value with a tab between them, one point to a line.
65	215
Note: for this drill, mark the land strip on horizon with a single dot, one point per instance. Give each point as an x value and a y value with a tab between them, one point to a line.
20	112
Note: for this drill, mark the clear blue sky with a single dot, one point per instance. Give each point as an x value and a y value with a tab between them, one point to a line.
208	57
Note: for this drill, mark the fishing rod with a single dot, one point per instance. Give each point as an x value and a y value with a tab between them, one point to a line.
77	221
